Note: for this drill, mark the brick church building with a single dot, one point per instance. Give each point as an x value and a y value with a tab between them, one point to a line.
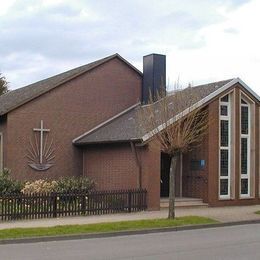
84	122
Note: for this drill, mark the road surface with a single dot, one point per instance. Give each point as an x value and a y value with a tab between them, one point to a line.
236	242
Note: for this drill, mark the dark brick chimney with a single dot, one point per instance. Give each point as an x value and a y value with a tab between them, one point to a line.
154	76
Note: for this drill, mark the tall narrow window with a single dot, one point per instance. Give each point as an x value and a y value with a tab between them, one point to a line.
245	149
224	153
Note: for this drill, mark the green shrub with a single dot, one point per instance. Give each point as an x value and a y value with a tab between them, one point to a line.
63	185
74	184
7	185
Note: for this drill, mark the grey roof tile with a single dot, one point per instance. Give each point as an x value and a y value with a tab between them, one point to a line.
18	97
126	127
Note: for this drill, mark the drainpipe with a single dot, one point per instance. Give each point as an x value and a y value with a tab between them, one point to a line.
139	165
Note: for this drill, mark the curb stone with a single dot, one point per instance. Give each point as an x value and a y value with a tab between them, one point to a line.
122	233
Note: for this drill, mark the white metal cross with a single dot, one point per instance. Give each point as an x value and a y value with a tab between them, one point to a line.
41	130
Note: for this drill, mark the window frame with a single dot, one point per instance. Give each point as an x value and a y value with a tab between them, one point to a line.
245	136
228	148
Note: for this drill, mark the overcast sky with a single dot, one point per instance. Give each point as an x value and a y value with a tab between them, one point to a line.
204	40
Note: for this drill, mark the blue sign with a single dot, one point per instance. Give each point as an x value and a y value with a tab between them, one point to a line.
202	163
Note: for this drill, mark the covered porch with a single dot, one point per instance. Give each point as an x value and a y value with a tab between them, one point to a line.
191	183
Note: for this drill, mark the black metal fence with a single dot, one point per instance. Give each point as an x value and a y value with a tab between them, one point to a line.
53	205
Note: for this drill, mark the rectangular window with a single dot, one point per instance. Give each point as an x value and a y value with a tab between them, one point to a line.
224	191
224	152
223	110
244	149
244	156
244	120
224	132
244	186
224	163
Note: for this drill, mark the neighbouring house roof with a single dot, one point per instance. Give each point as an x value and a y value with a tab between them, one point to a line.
18	97
125	126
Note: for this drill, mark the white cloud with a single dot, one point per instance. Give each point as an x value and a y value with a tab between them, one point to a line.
231	50
5	6
203	41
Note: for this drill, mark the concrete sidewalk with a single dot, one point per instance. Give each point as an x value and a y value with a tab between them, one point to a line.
222	214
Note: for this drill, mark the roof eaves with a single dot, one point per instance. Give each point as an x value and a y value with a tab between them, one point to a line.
109	141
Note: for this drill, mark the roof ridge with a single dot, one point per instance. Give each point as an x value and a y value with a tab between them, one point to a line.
214	82
20	96
172	92
106	122
69	70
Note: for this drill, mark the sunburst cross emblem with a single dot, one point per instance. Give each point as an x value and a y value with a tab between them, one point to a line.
41	152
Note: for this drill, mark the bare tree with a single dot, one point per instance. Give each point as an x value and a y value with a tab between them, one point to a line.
3	85
177	125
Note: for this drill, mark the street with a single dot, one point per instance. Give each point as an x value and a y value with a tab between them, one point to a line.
235	242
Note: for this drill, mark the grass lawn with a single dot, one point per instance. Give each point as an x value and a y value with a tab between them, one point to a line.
103	227
257	212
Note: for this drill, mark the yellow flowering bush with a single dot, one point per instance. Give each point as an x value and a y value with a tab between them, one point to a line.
39	186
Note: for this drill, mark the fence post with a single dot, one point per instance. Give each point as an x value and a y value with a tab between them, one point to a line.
129	201
145	199
83	204
54	205
2	205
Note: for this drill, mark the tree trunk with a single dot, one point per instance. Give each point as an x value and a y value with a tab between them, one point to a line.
173	168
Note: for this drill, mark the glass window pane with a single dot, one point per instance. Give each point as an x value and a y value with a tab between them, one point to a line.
244	186
224	99
244	155
244	120
224	132
223	187
223	162
223	110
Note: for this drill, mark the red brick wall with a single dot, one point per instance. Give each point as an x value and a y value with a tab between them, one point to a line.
151	171
114	167
213	151
68	111
4	134
195	182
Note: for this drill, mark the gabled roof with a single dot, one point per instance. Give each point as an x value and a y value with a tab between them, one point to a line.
201	103
18	97
125	127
